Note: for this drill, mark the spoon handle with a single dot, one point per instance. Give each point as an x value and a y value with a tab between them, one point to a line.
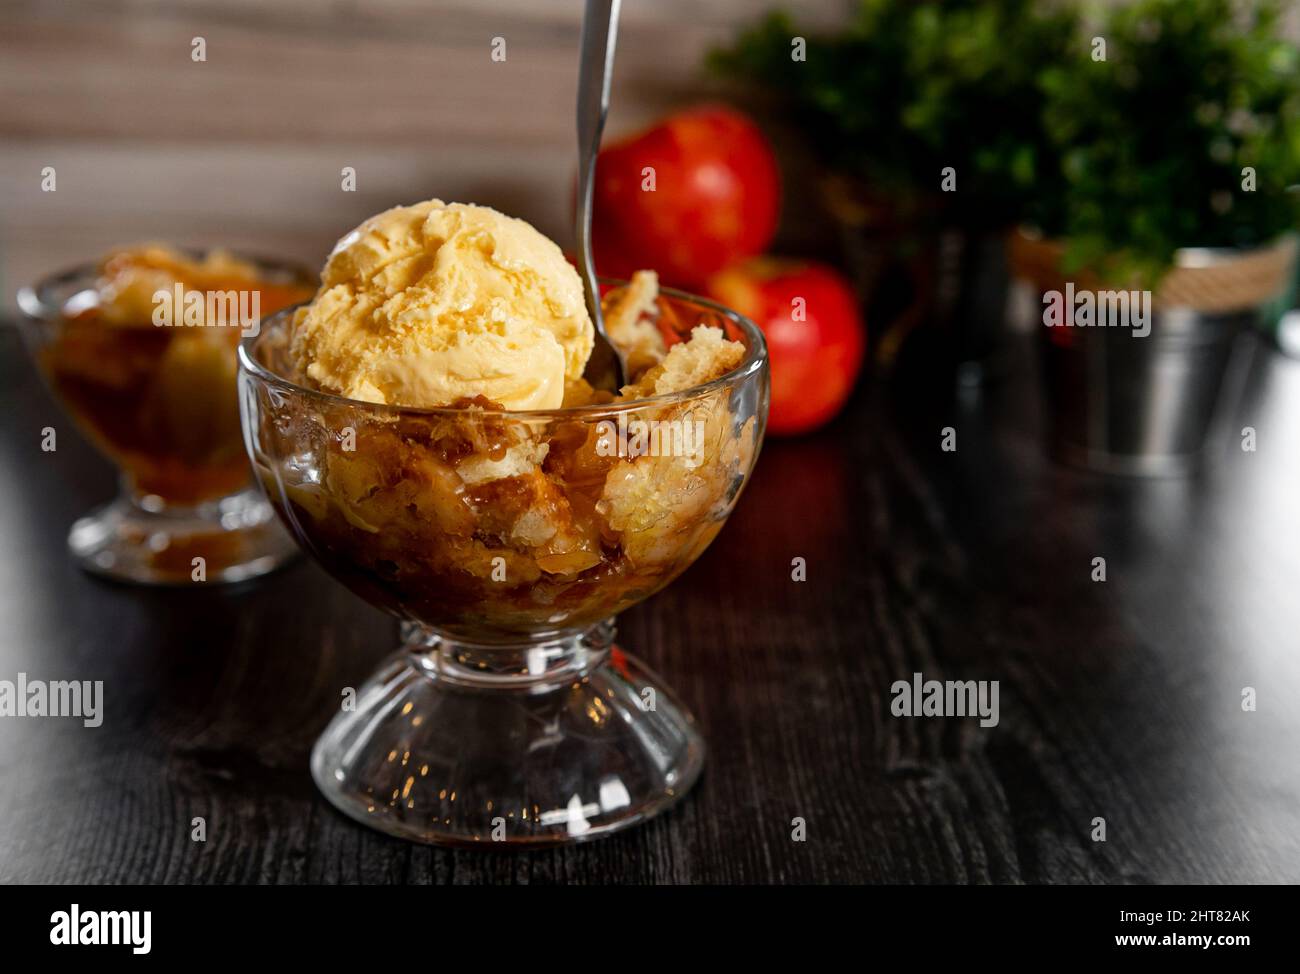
595	70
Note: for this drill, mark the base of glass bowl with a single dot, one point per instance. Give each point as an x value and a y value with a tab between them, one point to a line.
470	745
138	538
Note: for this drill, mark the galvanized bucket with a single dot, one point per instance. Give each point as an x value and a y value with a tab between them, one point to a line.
1143	400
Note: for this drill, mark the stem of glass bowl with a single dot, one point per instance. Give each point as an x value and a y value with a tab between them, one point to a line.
539	665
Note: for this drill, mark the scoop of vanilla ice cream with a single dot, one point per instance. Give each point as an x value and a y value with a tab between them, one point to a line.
423	305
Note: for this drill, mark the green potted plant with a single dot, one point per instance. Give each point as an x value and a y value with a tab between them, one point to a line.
1177	129
928	118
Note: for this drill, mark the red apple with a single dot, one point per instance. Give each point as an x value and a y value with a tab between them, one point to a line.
815	335
686	198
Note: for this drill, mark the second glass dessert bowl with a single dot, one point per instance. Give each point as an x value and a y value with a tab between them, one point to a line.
506	542
160	402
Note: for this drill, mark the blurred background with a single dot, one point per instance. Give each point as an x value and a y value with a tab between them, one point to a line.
246	149
882	186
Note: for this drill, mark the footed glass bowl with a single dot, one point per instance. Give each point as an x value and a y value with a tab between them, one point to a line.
506	542
161	403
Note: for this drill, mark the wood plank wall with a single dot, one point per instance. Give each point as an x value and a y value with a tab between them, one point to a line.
246	148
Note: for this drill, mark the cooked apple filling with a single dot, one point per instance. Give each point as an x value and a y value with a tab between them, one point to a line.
489	521
159	400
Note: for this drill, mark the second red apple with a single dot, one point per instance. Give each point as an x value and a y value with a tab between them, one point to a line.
815	336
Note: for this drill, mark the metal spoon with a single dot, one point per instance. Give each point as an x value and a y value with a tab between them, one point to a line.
606	368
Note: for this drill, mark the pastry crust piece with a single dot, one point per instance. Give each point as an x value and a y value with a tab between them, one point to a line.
707	356
629	319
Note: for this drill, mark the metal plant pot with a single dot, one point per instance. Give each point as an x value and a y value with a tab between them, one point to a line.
1145	406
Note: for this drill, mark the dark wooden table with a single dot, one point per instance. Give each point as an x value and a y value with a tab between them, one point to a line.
1119	699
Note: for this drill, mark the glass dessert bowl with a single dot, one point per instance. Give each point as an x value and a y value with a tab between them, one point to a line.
506	541
158	397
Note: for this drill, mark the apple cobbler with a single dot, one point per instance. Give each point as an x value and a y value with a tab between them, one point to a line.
161	400
496	523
